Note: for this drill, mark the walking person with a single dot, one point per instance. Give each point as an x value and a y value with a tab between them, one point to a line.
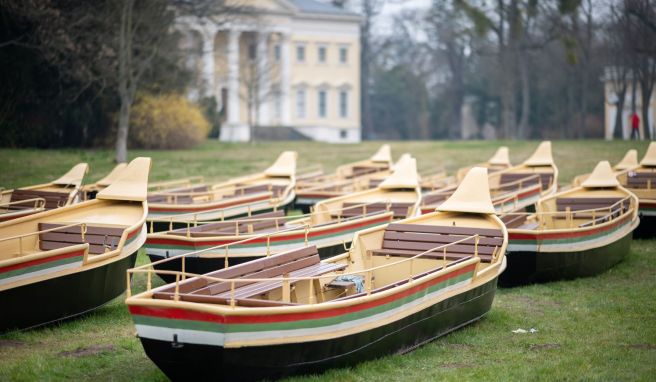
635	126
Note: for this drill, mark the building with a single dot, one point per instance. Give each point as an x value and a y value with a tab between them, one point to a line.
612	102
283	64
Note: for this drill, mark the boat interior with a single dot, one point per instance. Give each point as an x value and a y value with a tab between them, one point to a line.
641	179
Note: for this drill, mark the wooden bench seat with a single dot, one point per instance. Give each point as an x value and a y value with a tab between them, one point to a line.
641	179
407	240
53	199
400	210
358	171
100	239
304	262
228	228
588	203
507	180
245	189
434	199
171	199
513	221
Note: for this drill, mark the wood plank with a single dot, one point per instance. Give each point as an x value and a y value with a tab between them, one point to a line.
437	238
446	230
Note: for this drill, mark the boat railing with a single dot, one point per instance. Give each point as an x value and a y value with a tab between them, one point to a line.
570	215
83	231
311	171
519	183
195	222
190	181
287	280
39	203
236	191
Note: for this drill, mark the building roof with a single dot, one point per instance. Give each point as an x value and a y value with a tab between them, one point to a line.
314	6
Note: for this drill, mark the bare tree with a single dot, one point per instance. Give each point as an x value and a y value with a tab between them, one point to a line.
370	9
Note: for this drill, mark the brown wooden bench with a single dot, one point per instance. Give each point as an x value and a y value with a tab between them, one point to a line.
54	199
358	171
304	262
401	210
513	221
407	240
436	198
228	228
531	178
276	189
641	179
100	239
168	199
575	204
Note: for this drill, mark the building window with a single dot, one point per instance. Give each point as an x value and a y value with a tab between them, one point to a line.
343	55
300	53
322	54
322	104
343	103
300	103
276	52
252	53
343	134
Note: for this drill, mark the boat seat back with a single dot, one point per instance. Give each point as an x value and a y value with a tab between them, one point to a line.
276	189
100	239
513	221
587	203
407	240
545	178
304	262
642	179
357	171
401	210
436	198
171	199
54	199
229	228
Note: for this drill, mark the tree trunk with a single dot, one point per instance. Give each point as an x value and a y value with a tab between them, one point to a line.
123	129
646	99
618	131
526	96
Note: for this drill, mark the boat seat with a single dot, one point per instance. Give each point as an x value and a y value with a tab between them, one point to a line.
54	199
436	198
171	199
358	171
513	221
641	179
400	210
373	183
99	238
227	228
245	189
408	240
588	203
303	262
545	178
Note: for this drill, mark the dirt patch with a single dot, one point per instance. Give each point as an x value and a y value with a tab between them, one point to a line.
544	346
641	346
11	344
455	365
87	351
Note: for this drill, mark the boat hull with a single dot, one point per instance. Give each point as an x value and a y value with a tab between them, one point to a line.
185	361
528	267
63	297
647	227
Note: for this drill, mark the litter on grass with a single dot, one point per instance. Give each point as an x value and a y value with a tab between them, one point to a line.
523	331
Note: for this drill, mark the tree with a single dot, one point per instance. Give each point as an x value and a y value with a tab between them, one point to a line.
370	9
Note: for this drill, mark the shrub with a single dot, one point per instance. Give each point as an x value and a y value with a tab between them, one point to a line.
166	122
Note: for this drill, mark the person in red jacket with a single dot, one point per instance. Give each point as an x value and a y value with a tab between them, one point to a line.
635	126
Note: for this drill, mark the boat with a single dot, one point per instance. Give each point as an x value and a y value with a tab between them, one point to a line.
89	191
575	233
399	286
61	192
330	227
434	179
499	161
347	178
629	162
67	261
270	190
641	180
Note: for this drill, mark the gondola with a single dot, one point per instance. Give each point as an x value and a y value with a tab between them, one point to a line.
68	261
25	201
329	227
89	191
351	177
641	180
499	161
400	286
629	162
576	233
270	190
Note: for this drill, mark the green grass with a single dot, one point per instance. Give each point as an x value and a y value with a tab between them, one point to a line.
599	328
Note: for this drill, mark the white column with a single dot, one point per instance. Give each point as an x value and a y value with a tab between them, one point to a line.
263	78
284	80
233	77
209	87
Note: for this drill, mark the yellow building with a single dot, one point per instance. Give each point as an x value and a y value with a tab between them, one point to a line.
291	63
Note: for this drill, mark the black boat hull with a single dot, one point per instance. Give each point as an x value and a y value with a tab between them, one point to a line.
189	361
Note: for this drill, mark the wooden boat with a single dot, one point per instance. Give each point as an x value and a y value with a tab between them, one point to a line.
576	233
329	227
641	180
400	286
270	190
629	162
428	180
347	178
64	262
89	191
61	192
499	161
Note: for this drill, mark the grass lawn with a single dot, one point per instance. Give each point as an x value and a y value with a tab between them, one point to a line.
600	328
